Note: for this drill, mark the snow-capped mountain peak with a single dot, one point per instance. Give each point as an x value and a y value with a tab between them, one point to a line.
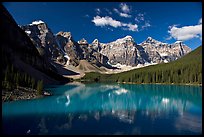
95	41
152	41
37	22
149	38
178	42
124	40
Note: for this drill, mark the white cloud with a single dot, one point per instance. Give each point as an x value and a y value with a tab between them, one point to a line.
125	8
108	21
130	26
103	21
200	21
122	14
186	32
125	15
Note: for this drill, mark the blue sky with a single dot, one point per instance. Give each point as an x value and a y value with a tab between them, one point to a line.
108	21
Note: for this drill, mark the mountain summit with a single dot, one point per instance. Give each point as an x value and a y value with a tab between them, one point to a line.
123	51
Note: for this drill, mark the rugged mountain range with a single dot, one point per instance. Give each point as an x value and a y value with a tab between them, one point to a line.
158	52
124	51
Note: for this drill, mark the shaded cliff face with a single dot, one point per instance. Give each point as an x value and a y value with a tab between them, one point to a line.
18	50
80	50
43	38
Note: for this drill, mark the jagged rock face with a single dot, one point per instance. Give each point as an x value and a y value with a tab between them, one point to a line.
91	54
121	51
62	40
159	52
65	34
74	52
96	45
43	38
70	47
83	42
124	51
80	50
142	57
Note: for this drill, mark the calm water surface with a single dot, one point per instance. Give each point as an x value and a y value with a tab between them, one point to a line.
108	109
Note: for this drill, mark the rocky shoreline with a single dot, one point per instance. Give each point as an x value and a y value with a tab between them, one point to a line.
22	93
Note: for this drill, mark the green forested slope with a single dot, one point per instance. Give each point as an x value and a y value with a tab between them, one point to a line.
187	69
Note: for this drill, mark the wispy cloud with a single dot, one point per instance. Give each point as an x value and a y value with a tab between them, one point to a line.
87	16
147	24
142	20
125	11
125	15
109	21
186	32
139	17
98	11
103	21
116	10
122	14
125	8
130	26
108	11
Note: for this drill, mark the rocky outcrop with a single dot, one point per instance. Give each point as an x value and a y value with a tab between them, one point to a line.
80	50
43	39
159	52
96	45
70	47
121	51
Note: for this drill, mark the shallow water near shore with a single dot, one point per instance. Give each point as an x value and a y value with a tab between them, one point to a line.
108	109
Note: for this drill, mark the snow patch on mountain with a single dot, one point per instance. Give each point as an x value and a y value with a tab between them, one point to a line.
177	42
166	61
37	22
124	40
28	32
163	54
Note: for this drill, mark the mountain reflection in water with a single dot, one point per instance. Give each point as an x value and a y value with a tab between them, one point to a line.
108	109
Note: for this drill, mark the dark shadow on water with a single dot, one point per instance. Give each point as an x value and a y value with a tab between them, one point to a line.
104	122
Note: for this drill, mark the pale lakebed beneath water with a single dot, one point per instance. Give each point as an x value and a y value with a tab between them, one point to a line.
99	108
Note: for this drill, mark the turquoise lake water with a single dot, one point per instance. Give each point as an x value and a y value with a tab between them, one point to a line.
108	109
